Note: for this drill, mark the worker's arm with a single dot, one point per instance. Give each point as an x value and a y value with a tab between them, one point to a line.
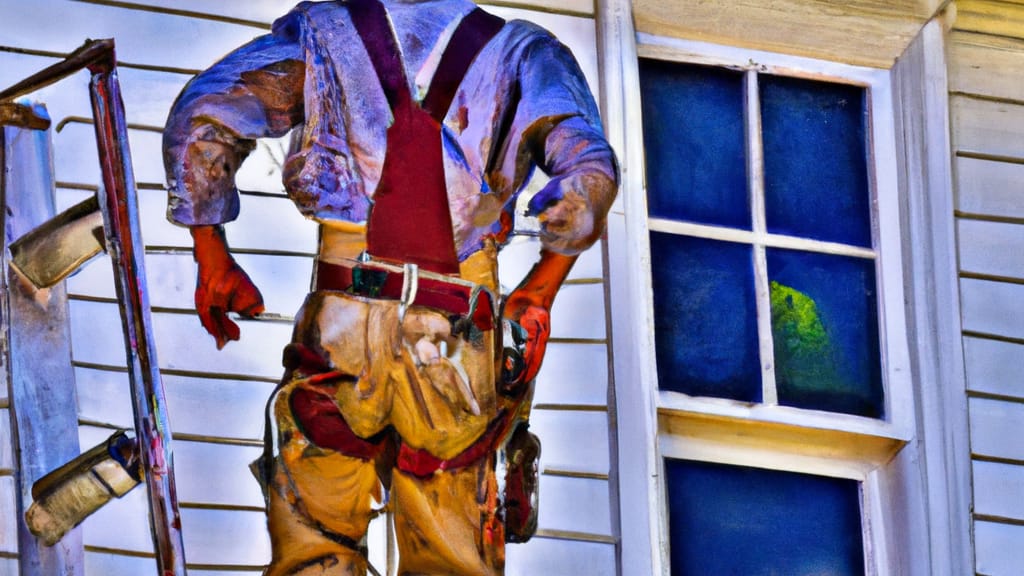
562	135
254	92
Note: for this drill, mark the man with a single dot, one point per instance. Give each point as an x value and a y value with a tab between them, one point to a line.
421	121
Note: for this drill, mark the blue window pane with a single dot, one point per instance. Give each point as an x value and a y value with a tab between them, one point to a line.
705	319
694	143
825	328
815	160
737	521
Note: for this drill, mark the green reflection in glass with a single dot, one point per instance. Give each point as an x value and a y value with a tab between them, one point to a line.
805	358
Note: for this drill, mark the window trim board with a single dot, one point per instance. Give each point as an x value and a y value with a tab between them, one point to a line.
936	471
642	548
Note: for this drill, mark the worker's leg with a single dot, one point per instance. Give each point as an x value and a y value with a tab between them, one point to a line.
321	502
445	520
446	524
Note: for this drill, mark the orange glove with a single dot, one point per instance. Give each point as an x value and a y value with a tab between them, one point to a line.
221	286
529	306
536	322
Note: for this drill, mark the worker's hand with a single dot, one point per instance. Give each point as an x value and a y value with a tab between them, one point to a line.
220	291
536	322
221	286
571	210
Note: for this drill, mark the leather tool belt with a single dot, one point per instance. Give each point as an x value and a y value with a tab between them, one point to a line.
410	286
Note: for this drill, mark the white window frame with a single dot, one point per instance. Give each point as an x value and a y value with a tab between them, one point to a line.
655	424
689	426
886	232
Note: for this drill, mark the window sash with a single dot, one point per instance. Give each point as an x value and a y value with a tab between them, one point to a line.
897	422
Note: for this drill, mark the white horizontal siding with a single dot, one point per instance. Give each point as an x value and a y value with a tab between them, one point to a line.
217	474
283	280
545	556
987	108
76	159
208	406
991	248
560	510
225	537
218	537
578	312
182	343
110	564
573	374
996	427
998	488
989	127
986	65
6	447
143	37
8	492
992	307
264	224
575	441
993	367
989	187
1000	548
8	515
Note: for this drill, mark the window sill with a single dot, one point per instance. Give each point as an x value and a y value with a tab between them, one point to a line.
775	437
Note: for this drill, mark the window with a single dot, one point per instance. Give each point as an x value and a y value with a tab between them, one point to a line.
777	371
761	233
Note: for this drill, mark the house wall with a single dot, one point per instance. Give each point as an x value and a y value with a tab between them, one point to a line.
216	399
986	62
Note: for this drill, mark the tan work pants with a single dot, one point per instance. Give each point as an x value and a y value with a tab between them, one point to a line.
409	380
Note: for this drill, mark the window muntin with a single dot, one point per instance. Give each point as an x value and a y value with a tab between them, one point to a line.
811	221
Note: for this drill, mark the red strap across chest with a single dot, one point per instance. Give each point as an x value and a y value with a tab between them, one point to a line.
410	220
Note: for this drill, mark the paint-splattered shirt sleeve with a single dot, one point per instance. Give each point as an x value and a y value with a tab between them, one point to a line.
254	92
557	127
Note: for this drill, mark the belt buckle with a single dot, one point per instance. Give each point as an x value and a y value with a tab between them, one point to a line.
368	281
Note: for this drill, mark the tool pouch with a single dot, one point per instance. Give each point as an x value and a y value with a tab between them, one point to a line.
522	487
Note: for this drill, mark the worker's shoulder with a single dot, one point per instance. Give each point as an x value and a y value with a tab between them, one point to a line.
525	39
